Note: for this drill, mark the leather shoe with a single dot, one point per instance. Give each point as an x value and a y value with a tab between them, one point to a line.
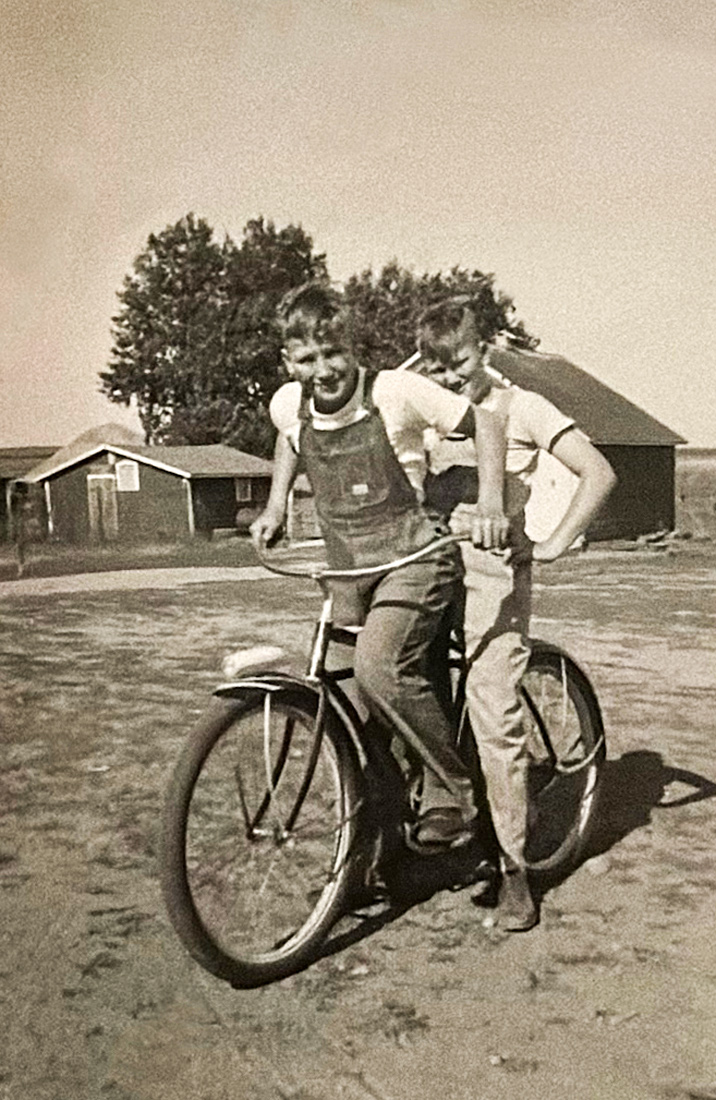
517	909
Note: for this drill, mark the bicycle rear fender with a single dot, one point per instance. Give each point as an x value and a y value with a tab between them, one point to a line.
538	645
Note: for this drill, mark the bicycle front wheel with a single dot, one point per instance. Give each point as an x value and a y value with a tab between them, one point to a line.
259	831
566	750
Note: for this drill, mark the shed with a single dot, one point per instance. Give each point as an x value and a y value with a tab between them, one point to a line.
696	491
640	449
105	490
14	464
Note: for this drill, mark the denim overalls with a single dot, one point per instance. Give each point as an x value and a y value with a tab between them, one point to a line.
370	514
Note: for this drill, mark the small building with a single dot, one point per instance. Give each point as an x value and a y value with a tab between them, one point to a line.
105	487
641	450
14	464
696	492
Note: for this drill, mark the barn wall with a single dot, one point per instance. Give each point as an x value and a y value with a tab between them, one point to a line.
643	499
70	512
158	512
216	504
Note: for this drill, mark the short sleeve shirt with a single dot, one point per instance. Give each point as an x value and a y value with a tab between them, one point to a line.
408	404
533	424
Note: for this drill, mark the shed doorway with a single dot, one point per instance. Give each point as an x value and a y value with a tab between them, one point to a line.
102	507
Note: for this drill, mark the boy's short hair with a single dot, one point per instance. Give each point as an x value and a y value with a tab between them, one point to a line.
443	319
314	309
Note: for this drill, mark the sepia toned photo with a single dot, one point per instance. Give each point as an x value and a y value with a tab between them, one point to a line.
358	550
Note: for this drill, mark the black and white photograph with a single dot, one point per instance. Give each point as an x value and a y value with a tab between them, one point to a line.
358	550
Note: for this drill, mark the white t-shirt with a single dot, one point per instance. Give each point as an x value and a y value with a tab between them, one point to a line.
533	425
409	405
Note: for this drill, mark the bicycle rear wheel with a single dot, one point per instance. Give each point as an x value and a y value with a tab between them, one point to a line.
259	831
566	747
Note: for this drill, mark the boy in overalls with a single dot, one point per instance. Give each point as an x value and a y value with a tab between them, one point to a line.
360	442
498	590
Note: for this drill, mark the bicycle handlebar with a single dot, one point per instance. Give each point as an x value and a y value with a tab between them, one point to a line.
319	574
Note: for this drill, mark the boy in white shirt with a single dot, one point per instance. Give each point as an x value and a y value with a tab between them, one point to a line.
498	588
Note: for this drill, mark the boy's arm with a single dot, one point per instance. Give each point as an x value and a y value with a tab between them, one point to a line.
490	525
596	481
269	523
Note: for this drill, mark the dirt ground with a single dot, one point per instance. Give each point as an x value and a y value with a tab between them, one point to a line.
613	997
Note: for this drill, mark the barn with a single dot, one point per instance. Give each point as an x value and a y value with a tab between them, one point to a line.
106	487
641	450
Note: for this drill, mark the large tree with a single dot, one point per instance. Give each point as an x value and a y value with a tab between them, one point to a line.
195	341
386	306
196	346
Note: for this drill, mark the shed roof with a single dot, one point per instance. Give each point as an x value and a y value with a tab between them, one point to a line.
212	460
16	461
87	442
605	416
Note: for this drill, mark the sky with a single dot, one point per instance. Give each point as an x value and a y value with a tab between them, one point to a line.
567	146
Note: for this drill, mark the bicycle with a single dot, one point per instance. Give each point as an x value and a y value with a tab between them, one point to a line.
284	801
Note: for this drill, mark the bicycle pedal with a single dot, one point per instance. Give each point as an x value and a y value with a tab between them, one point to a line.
439	839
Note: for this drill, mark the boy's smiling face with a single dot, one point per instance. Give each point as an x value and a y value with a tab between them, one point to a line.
324	368
457	362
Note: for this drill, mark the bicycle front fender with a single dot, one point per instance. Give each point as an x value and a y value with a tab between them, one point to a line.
262	680
271	681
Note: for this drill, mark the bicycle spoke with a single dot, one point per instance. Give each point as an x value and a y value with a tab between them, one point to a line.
266	835
566	746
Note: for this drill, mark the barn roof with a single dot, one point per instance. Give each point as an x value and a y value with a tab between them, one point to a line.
212	460
605	416
16	461
84	444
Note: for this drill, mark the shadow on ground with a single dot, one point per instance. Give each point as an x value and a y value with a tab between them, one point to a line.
632	787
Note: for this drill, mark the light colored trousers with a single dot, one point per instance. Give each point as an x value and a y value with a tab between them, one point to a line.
497	614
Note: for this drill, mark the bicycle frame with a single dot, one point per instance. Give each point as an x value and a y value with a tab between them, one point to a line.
285	801
332	698
317	678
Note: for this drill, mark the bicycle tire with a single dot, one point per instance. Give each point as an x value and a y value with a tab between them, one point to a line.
566	753
251	893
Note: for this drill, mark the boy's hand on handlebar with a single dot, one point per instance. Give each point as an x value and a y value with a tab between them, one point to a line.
490	528
266	529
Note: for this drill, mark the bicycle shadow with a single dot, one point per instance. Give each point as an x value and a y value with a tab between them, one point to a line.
632	787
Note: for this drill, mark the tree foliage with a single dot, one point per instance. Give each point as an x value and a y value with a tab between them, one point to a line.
196	346
386	306
195	341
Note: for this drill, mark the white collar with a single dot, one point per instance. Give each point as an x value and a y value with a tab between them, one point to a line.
353	410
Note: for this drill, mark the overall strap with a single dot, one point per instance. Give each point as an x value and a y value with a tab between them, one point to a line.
368	382
304	407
